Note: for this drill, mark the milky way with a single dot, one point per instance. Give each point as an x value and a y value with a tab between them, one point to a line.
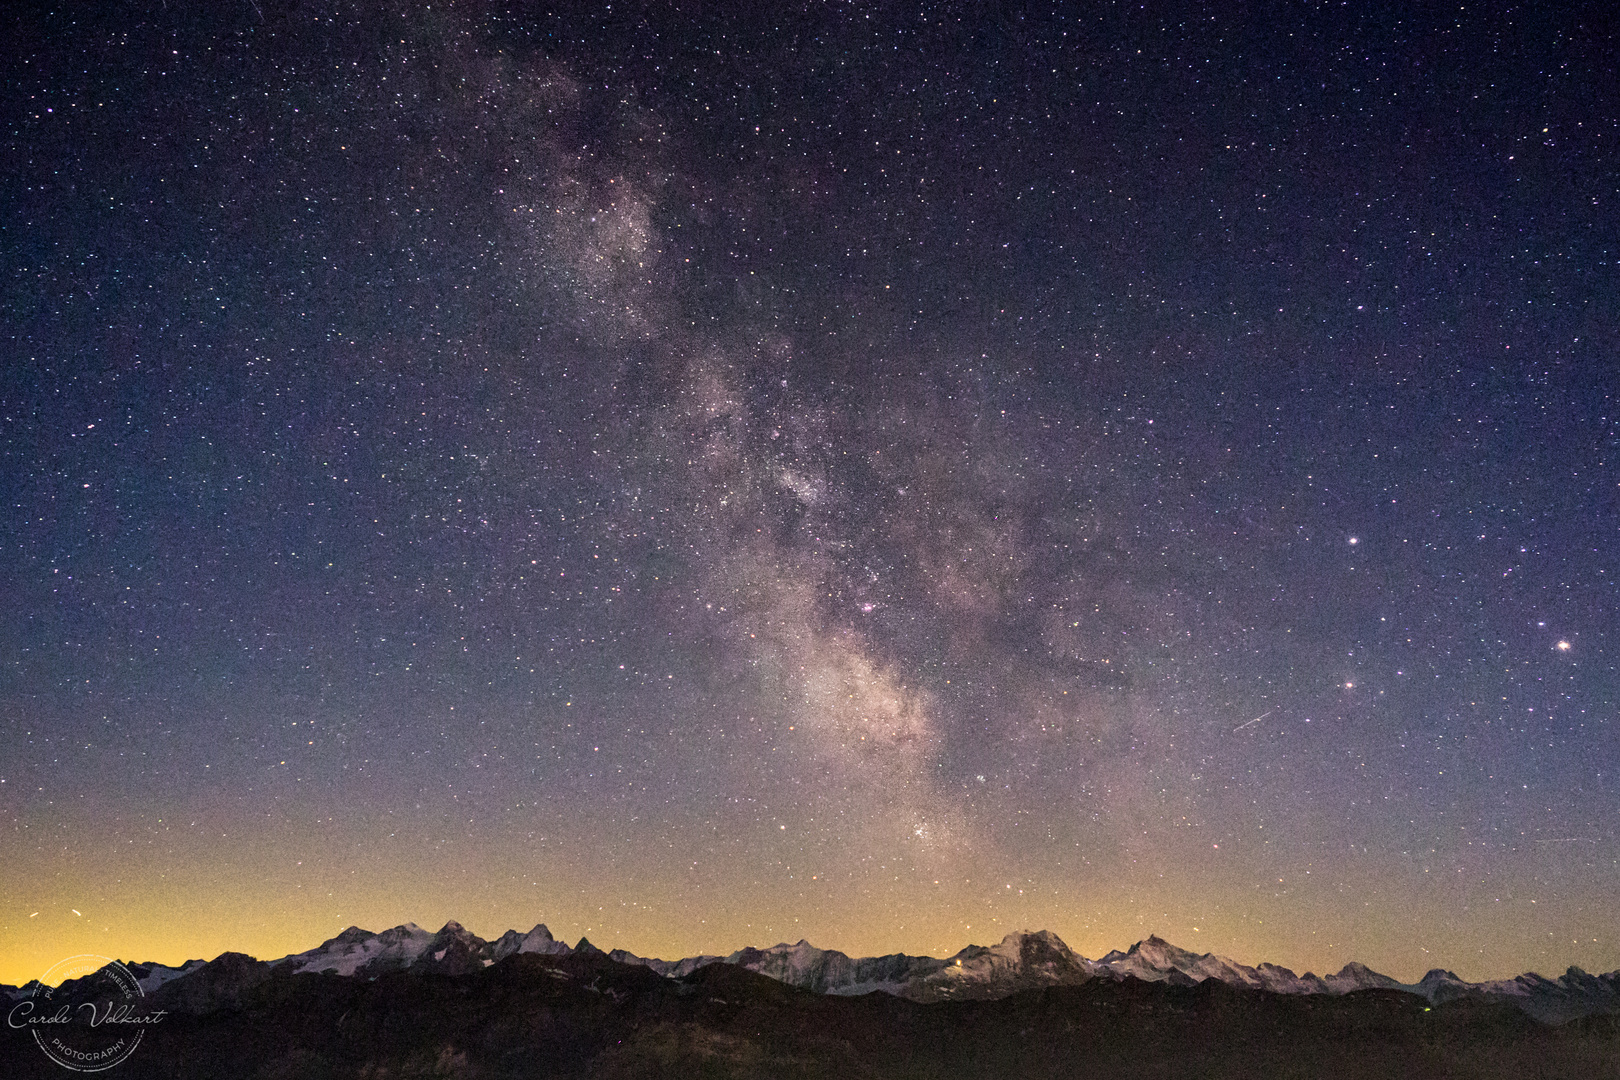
879	478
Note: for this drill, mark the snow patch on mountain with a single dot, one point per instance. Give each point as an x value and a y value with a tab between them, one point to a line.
1552	1001
151	976
538	940
361	952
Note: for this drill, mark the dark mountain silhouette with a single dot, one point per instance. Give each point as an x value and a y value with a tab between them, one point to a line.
587	1015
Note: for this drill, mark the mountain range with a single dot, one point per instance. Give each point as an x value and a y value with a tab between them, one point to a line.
410	1002
1020	961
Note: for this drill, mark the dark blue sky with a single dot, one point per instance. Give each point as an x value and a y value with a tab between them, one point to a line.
884	477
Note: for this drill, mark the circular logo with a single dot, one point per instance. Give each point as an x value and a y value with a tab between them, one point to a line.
91	1019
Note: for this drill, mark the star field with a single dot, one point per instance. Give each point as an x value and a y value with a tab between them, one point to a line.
883	474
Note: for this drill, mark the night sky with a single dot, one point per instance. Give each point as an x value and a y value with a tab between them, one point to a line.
883	474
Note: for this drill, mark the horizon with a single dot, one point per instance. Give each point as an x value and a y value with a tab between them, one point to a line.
882	477
573	941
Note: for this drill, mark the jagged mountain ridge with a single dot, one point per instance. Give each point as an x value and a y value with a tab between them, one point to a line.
1020	961
1155	960
584	1016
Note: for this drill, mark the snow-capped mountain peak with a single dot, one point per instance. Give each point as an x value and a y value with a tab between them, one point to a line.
538	940
1021	960
454	950
1358	976
361	952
